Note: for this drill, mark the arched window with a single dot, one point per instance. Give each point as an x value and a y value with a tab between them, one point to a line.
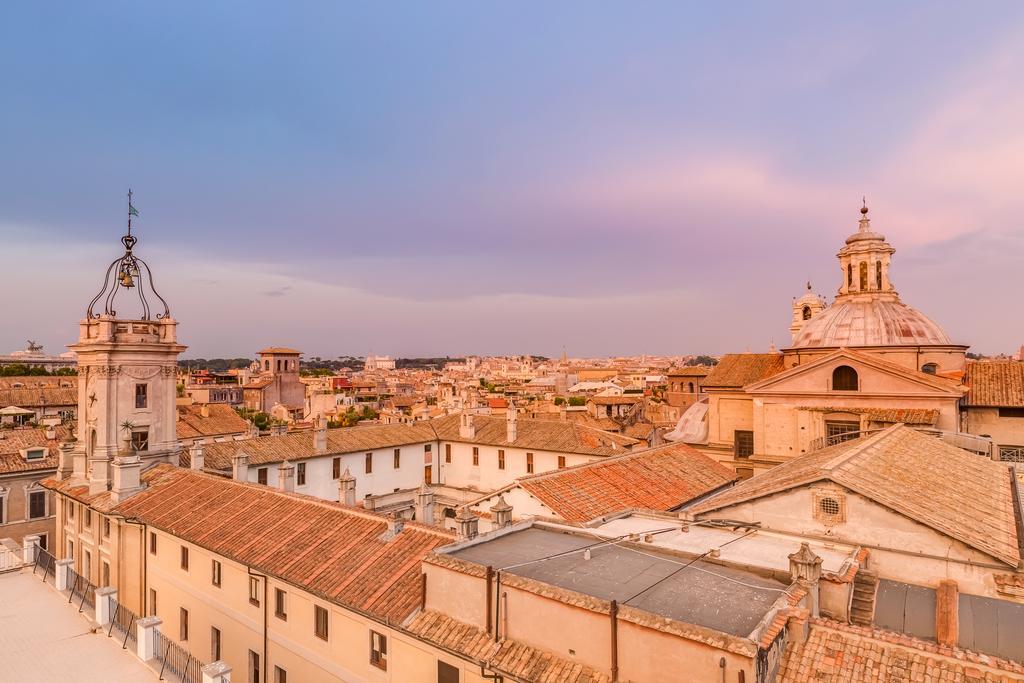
930	368
863	276
878	275
807	312
266	365
849	275
691	387
844	378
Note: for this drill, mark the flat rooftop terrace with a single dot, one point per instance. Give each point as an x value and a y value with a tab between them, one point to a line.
729	600
43	638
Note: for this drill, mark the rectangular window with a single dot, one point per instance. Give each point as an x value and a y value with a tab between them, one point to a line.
71	550
37	504
140	440
106	527
152	602
379	650
183	625
476	456
398	458
447	452
87	565
3	509
428	474
254	659
88	518
261	476
215	573
214	643
529	463
336	468
141	395
105	574
254	591
300	474
152	543
1011	412
743	443
184	558
280	675
35	454
838	432
71	510
446	673
501	459
369	463
42	540
279	604
561	462
320	625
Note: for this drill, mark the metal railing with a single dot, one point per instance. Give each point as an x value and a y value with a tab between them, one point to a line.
177	660
123	621
979	445
10	558
81	590
45	561
1011	454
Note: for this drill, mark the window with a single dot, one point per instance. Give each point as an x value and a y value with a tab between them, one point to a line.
152	543
336	468
140	395
369	463
214	643
279	604
878	274
398	458
428	448
42	539
3	508
183	624
849	275
930	368
140	440
807	313
829	506
561	462
261	476
529	463
446	673
152	602
320	622
1011	412
379	650
501	459
105	574
838	432
743	443
87	565
71	510
280	675
300	474
37	504
476	456
35	453
447	452
863	276
106	527
254	591
184	558
215	573
88	518
254	663
844	378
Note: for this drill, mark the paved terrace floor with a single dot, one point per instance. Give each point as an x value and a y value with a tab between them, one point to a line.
43	639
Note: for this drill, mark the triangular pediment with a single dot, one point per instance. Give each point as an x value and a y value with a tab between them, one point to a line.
876	377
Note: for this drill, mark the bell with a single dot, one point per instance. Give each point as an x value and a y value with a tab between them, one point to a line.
126	280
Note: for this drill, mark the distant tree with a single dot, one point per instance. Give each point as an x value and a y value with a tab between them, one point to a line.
23	370
702	360
577	401
559	400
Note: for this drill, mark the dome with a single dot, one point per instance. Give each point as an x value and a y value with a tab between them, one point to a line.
869	321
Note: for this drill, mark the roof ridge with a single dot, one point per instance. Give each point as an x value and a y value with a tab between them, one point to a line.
861	449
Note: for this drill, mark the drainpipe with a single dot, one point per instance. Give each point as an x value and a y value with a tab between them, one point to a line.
497	608
263	664
490	595
614	612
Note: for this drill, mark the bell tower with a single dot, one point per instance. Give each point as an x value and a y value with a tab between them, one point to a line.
805	308
127	377
864	261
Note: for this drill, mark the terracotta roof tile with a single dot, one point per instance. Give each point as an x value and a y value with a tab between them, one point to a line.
995	383
659	478
741	369
13	440
221	420
340	554
960	494
39	396
542	435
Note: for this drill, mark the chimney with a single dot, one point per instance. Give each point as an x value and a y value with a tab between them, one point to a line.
196	456
805	569
127	477
240	467
51	433
563	412
467	429
511	416
286	476
395	524
502	512
425	504
204	410
468	524
320	435
66	463
947	613
347	489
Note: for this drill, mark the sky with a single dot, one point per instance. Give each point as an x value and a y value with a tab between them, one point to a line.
430	179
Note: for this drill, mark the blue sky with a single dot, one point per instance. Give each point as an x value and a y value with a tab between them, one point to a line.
449	178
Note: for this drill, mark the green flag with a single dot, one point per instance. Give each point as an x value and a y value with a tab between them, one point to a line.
132	211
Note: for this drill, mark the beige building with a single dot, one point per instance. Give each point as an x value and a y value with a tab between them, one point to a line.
994	406
277	384
27	456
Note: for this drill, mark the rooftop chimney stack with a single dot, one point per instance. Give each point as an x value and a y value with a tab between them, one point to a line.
425	505
347	489
196	456
467	429
127	476
468	524
805	569
511	417
286	476
502	512
320	435
240	467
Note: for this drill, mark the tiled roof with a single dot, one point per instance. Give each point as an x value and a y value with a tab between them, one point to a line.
258	384
910	416
541	435
995	383
960	494
13	440
842	653
298	446
40	396
616	400
740	369
691	371
659	478
36	381
280	350
221	420
513	659
337	553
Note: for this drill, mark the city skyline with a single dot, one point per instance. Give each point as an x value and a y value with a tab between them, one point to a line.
512	181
